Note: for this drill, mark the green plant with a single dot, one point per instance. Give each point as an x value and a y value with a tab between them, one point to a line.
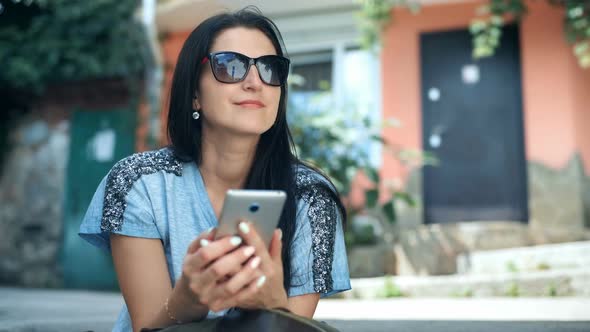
511	267
44	42
486	29
336	141
386	209
363	236
329	138
513	290
552	289
543	266
468	292
390	289
375	15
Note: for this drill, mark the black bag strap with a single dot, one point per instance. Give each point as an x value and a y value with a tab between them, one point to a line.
259	320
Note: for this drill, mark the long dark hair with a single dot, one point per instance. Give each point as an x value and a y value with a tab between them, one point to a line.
275	163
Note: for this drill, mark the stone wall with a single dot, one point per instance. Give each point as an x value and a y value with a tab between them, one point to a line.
31	192
32	183
559	206
556	202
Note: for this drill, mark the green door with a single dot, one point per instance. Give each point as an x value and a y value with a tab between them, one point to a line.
98	140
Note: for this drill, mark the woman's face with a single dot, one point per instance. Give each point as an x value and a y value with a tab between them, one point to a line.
248	107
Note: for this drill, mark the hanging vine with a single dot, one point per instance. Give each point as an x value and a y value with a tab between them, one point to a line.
486	28
375	15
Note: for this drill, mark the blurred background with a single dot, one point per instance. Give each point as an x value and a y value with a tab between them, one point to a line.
457	131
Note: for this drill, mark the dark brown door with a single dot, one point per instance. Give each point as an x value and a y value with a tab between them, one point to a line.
472	121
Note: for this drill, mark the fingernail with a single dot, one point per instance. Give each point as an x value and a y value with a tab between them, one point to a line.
261	281
235	241
204	243
209	230
244	227
280	234
255	262
249	251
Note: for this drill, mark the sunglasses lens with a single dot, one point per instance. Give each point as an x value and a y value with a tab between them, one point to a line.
273	69
229	67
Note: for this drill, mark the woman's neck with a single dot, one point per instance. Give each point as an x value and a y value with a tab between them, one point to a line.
226	161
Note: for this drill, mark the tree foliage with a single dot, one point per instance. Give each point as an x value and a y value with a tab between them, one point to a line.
45	42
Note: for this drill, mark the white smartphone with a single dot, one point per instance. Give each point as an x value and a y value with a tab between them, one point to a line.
261	207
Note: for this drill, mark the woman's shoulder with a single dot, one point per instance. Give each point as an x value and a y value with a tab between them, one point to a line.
131	168
145	167
134	178
310	181
307	175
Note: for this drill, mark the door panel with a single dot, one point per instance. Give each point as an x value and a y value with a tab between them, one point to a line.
98	140
472	122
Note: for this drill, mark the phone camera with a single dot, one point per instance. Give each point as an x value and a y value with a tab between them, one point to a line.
254	207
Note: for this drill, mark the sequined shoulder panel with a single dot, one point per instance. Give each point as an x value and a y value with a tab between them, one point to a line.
322	214
122	177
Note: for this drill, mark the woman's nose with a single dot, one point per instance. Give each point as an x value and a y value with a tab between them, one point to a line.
252	79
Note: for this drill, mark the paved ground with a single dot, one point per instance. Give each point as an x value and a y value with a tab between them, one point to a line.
69	311
459	326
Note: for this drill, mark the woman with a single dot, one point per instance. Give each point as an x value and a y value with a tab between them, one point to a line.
156	211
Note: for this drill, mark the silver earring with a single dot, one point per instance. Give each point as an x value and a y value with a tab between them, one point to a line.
196	115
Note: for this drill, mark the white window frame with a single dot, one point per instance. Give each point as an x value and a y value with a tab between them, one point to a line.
334	32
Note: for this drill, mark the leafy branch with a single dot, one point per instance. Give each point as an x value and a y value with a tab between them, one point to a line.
339	140
486	29
375	15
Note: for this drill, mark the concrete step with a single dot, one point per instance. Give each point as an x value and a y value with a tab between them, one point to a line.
480	309
569	255
564	282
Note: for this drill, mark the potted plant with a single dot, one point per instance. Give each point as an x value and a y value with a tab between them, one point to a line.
339	142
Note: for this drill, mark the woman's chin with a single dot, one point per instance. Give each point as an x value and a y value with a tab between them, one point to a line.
252	128
245	132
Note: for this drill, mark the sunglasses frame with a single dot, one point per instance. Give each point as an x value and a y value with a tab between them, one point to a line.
251	61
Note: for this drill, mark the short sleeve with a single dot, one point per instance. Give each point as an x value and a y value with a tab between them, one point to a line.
120	210
318	254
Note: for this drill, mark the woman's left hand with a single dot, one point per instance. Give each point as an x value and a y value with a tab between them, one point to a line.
266	291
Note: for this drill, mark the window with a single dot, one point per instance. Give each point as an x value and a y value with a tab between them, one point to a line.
345	83
312	72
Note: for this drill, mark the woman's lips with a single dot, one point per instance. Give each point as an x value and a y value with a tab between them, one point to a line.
251	103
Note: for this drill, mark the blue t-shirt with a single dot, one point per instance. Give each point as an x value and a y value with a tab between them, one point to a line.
155	195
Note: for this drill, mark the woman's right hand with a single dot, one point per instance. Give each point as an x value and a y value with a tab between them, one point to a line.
209	262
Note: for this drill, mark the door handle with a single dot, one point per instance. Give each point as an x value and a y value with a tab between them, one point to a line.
435	137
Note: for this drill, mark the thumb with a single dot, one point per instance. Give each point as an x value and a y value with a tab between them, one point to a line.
276	245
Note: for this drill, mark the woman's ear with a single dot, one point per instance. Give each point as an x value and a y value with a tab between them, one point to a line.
196	104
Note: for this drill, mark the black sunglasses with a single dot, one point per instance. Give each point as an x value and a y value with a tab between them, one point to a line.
233	67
